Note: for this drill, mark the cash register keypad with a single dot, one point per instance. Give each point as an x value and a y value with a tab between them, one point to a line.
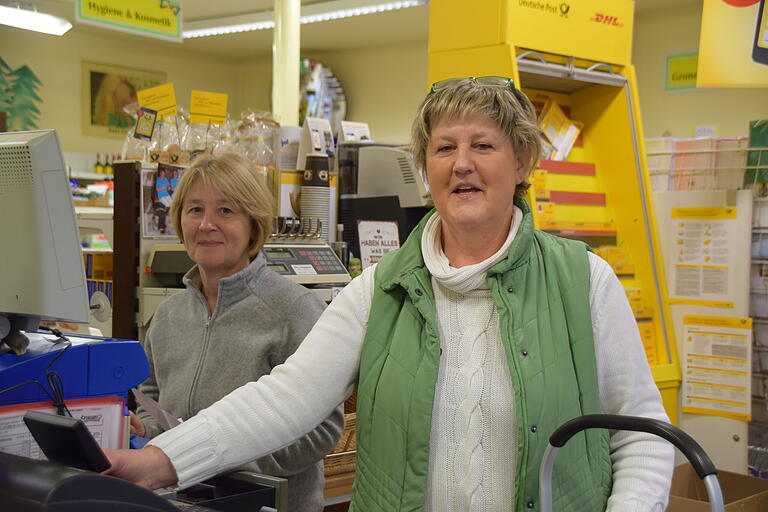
322	259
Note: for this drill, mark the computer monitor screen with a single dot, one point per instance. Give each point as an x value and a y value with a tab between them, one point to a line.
41	262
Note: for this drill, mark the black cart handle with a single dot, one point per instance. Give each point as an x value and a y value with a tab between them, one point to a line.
685	443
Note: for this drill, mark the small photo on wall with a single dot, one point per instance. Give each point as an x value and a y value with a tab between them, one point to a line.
109	94
157	189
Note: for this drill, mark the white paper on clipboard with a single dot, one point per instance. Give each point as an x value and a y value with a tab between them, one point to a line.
102	416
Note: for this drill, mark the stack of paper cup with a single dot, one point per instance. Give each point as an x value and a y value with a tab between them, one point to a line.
316	193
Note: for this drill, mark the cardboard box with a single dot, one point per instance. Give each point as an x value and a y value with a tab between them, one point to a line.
741	493
93	201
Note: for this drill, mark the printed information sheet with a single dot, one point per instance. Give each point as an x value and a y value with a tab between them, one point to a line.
716	366
103	417
702	273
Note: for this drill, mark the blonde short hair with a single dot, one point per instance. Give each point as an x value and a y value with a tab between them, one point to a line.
236	178
512	112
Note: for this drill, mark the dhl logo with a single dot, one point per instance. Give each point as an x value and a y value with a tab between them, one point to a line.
606	20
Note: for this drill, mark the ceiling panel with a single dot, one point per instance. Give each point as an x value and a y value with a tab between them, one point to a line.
392	27
202	9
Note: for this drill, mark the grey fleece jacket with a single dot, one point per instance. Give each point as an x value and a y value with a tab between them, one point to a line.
196	358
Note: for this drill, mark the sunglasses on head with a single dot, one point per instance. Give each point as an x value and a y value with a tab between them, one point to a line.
480	81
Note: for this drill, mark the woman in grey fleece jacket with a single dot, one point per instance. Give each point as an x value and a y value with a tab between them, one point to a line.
235	321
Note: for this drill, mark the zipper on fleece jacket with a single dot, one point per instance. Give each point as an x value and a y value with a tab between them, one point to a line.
203	350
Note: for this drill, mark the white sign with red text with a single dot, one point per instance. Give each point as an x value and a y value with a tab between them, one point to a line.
377	237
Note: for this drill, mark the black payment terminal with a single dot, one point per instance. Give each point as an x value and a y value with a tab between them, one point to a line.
66	440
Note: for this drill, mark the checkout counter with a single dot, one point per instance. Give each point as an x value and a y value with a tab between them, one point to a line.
92	377
28	485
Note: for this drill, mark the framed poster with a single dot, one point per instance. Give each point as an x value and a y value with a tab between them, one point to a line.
106	92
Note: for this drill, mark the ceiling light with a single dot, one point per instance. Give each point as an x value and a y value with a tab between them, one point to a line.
228	25
358	11
33	20
313	13
228	29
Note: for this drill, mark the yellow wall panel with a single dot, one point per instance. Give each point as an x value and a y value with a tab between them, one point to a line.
482	61
573	183
581	213
590	29
455	24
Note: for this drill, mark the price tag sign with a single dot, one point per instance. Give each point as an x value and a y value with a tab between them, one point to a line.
207	107
161	99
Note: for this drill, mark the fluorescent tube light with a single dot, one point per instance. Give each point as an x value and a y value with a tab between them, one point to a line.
33	20
314	13
228	29
359	11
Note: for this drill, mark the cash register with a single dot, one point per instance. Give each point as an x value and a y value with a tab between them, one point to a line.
295	250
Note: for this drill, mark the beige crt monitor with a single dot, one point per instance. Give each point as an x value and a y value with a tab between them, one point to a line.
41	263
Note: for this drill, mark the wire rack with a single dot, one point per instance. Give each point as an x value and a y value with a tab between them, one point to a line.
707	163
758	461
728	163
758	427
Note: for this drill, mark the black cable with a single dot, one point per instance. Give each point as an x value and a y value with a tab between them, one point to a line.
59	335
56	385
54	379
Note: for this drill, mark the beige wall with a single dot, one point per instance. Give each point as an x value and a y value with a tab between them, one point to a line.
383	85
254	86
663	32
56	61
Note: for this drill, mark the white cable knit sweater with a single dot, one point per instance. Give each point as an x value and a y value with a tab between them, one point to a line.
473	442
473	449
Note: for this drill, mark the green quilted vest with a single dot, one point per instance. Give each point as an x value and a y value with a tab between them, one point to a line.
541	291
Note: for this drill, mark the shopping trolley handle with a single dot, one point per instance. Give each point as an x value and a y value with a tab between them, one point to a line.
685	443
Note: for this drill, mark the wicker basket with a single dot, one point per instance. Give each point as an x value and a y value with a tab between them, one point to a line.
350	404
342	458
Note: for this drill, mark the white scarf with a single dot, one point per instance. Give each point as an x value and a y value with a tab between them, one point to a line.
470	277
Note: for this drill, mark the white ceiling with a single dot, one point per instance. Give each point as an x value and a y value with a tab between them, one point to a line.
392	27
401	26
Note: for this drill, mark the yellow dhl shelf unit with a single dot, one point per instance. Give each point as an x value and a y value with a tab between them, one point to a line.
577	55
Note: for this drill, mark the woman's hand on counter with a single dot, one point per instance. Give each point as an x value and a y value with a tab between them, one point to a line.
148	467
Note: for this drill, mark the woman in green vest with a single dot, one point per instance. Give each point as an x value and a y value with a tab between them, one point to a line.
467	347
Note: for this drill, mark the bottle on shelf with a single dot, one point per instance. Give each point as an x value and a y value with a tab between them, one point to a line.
99	167
107	165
